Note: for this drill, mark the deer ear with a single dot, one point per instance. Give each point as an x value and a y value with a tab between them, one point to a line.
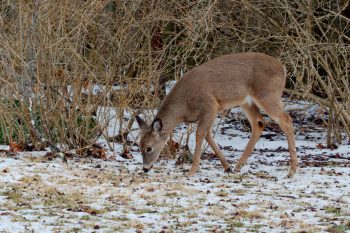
157	125
142	123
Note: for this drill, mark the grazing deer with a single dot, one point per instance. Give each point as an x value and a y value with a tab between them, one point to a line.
249	80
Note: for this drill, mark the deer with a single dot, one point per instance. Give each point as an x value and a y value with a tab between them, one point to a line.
253	81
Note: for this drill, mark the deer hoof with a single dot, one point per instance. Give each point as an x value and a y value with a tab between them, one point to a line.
237	168
190	173
291	172
228	170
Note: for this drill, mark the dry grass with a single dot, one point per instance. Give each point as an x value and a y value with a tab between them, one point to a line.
60	61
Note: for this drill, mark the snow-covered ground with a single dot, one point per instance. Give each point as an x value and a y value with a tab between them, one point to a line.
114	195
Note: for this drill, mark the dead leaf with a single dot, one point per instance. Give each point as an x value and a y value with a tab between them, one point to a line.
173	146
50	156
126	154
150	189
98	151
170	150
185	157
59	73
320	146
88	209
31	147
5	213
68	155
16	147
86	83
81	151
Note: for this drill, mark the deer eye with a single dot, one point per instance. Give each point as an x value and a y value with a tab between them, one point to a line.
149	149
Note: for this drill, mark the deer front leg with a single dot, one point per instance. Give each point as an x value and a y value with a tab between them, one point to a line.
197	154
204	126
217	151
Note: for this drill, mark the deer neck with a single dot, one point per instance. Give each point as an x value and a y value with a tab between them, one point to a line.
170	115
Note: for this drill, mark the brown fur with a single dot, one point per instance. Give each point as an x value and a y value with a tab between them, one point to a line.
249	80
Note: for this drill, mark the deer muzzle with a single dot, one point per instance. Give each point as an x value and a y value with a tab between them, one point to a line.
147	168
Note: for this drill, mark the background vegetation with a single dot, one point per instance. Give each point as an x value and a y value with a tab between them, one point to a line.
64	64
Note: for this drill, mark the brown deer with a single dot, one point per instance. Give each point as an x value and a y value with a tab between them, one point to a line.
249	80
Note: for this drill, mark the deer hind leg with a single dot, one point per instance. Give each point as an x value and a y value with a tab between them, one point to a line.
219	154
274	108
204	126
257	124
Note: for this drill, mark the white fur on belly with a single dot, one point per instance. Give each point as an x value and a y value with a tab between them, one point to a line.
248	100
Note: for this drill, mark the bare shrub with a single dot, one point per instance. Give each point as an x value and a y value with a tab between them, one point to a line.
61	61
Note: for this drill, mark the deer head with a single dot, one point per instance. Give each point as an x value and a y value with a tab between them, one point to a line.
151	142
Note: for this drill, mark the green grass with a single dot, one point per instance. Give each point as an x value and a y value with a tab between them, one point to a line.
339	228
85	218
333	210
237	224
143	211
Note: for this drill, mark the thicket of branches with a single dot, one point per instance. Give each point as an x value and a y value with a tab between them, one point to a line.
60	61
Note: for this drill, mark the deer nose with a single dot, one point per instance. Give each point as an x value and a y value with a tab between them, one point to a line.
146	169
